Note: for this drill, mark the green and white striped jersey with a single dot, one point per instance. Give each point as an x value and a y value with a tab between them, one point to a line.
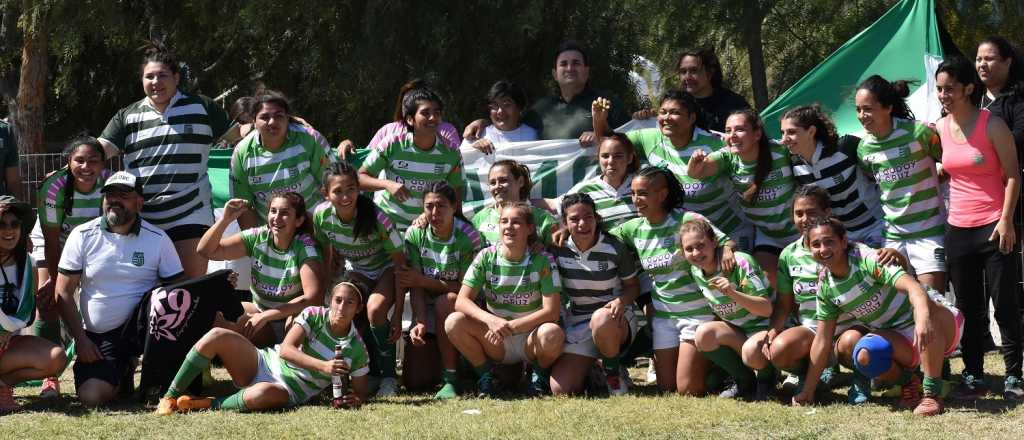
367	255
302	384
52	199
709	197
798	276
486	221
169	151
297	166
403	162
275	272
867	293
445	260
771	211
747	277
513	289
675	294
614	205
903	164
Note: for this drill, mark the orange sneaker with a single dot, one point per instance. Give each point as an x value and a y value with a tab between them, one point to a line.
167	406
911	393
50	389
188	403
929	406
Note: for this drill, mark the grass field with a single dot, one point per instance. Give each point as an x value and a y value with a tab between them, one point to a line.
643	415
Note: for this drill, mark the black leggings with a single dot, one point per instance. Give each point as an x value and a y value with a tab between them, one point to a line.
973	261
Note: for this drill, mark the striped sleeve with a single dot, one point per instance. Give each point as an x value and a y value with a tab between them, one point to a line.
476	275
550	283
392	241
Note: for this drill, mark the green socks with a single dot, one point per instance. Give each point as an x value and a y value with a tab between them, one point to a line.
191	368
234	402
447	390
767	374
482	369
714	378
49	330
731	362
798	370
611	365
385	350
932	386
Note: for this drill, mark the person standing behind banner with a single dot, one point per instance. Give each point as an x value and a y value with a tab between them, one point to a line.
505	101
700	74
275	158
820	157
165	140
396	130
22	357
115	259
901	155
509	182
67	198
984	185
671	145
412	162
567	114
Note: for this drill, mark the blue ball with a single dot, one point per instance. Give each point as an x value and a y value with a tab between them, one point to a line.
879	354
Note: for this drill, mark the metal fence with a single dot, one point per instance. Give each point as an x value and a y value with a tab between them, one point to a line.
35	167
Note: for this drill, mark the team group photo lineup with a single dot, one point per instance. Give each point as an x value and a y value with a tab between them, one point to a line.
564	244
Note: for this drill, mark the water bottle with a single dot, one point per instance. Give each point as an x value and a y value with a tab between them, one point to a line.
339	382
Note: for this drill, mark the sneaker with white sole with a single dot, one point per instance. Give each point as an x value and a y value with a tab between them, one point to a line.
652	376
1012	388
388	387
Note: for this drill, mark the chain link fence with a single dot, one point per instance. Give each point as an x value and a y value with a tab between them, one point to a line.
34	168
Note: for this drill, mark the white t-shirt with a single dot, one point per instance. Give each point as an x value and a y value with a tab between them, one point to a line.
522	133
116	269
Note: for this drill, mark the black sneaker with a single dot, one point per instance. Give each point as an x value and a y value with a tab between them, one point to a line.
1012	389
970	388
485	386
765	389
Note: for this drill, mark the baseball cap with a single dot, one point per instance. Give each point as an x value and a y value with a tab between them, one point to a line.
124	181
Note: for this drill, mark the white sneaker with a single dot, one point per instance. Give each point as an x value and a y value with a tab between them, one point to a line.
388	387
616	386
791	383
652	377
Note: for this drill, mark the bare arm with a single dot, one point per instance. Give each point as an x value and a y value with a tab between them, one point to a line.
548	313
821	348
1002	140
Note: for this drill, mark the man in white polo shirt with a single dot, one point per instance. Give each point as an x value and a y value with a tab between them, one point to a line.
116	259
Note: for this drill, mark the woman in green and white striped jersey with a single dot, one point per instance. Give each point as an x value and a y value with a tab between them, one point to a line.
887	302
349	227
741	300
901	155
439	256
286	266
509	182
679	307
288	374
759	172
611	191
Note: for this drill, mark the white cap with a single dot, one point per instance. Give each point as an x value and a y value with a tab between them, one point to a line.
124	180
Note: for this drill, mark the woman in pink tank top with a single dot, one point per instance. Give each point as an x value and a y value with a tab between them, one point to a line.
979	156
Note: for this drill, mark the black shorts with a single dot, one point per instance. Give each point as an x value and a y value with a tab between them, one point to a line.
114	364
186	232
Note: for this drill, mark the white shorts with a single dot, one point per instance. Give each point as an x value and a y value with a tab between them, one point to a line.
37	249
265	375
926	255
515	348
579	339
669	332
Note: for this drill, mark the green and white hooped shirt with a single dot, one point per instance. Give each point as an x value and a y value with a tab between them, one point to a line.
52	197
23	303
798	275
445	260
302	384
297	166
403	162
867	293
486	221
614	205
275	272
592	278
747	277
771	211
675	294
513	289
368	255
709	197
903	164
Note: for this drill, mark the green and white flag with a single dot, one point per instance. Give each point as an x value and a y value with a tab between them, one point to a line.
903	44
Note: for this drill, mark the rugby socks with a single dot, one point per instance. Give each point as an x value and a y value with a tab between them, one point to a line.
448	376
798	370
234	402
611	365
385	350
766	374
932	386
714	378
482	369
731	362
49	330
190	369
541	371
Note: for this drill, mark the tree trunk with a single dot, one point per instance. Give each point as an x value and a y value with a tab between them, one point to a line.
753	16
30	120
